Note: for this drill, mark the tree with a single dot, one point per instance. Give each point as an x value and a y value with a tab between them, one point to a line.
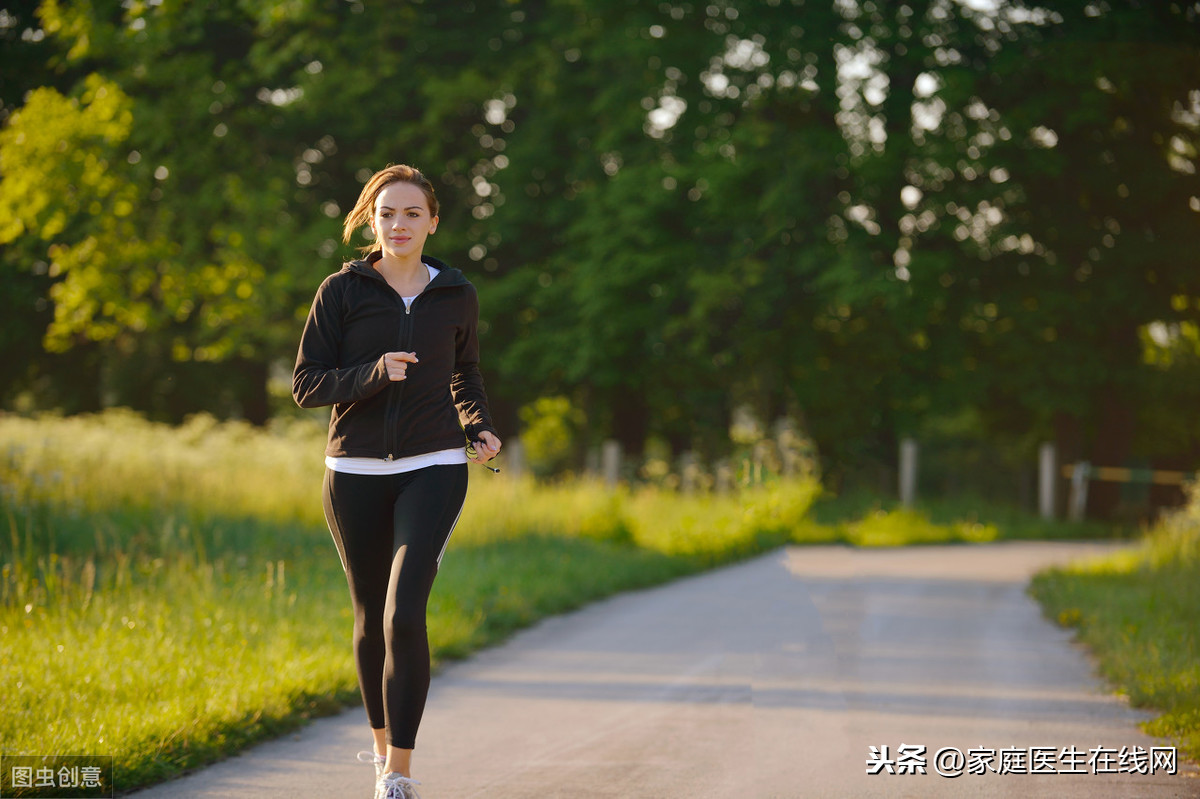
866	215
1098	235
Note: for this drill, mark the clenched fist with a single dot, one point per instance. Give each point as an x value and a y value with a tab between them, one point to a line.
397	363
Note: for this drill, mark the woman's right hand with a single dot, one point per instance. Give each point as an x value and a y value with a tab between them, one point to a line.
397	363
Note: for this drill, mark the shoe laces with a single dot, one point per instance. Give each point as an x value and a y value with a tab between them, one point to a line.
397	786
377	760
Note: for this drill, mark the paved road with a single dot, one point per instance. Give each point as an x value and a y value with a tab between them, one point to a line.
771	678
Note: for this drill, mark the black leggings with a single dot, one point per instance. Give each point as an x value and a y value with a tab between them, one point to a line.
390	532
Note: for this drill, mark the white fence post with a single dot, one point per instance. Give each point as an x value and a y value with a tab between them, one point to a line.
786	444
689	472
514	457
1047	480
722	477
908	471
610	462
1079	491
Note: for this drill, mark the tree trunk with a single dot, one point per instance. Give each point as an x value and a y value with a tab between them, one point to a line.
1113	437
631	420
252	391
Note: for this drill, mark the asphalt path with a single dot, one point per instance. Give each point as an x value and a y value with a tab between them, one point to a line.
770	678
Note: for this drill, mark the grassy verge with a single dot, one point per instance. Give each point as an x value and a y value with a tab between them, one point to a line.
1139	612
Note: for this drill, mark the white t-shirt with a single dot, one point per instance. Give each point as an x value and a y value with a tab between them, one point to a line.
443	457
408	301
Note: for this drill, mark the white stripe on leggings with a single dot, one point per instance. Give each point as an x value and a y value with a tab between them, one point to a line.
456	518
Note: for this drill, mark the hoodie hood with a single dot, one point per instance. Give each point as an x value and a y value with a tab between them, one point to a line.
447	275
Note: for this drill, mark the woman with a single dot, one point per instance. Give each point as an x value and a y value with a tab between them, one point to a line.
390	342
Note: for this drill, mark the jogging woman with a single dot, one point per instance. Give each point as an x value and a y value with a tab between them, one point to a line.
390	343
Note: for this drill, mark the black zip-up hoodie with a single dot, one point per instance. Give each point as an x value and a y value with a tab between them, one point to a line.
355	318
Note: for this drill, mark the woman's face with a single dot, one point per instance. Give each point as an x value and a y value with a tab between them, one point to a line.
401	221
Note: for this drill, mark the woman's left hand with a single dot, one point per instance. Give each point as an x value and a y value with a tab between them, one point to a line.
486	447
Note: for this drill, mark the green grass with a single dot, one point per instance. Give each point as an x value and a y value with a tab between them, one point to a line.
865	520
170	595
1139	612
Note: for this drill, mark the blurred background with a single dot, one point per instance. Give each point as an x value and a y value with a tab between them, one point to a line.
695	226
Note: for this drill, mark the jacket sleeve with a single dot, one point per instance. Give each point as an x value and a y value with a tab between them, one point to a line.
466	383
318	378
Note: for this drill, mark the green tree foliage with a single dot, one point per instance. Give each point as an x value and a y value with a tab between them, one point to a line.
866	215
550	430
59	187
1088	127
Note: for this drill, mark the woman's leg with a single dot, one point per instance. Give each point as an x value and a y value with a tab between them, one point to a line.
426	509
359	511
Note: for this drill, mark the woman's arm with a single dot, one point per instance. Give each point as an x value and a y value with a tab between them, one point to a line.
318	379
466	383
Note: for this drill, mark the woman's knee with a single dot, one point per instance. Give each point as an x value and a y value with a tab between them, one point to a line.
368	624
405	624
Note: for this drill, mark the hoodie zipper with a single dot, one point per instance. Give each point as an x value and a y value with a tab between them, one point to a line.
394	406
404	341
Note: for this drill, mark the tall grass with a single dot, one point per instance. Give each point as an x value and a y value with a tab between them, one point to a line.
168	595
1139	611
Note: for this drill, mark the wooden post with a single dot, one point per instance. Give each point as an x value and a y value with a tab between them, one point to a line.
908	472
1077	504
610	462
1047	480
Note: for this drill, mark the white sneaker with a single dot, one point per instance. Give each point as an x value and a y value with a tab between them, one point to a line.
396	786
378	760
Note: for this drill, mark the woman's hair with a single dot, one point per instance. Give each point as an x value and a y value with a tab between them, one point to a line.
364	209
